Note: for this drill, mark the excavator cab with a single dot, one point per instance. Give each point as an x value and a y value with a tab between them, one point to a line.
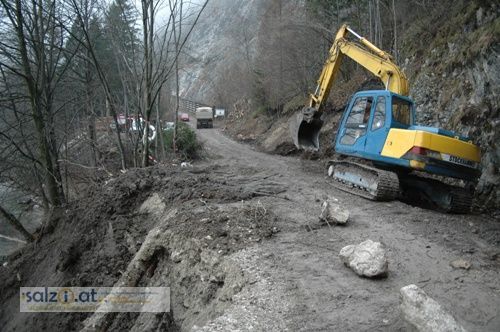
367	121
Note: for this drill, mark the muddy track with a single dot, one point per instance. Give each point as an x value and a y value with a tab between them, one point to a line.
237	238
313	289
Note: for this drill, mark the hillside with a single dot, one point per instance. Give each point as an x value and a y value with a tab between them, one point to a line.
221	39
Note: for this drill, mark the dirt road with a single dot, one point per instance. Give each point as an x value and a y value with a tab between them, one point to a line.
301	284
237	239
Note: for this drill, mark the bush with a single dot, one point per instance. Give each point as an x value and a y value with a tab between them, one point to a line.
187	145
261	110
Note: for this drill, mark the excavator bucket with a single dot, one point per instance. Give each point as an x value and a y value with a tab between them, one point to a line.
305	127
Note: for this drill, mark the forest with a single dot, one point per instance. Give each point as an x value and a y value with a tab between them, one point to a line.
71	71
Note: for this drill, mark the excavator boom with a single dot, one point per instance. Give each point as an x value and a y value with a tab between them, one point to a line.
305	127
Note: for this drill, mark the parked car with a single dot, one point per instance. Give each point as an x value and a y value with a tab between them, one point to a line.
122	122
139	126
185	117
220	113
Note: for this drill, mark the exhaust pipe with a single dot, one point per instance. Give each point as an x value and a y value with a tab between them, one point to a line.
305	127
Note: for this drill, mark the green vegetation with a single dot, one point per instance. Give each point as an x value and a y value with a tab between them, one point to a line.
187	144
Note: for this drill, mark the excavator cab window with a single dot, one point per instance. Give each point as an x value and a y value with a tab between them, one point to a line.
357	120
379	116
401	111
360	112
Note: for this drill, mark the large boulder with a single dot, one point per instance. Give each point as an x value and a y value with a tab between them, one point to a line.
424	313
367	259
333	212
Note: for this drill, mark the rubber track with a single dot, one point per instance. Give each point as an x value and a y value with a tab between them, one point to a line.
461	201
387	186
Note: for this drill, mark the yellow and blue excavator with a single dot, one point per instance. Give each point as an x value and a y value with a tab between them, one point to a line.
379	126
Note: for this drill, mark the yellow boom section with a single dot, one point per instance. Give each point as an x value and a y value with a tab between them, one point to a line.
367	55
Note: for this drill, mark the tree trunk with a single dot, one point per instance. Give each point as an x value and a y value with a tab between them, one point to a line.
47	147
87	43
395	45
159	131
16	224
148	15
90	115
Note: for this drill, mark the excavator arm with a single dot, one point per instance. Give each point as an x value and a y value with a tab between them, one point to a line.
306	126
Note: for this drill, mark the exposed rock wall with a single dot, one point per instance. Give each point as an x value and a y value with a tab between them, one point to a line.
224	36
455	82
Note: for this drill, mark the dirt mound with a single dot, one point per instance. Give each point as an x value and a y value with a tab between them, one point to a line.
94	240
286	149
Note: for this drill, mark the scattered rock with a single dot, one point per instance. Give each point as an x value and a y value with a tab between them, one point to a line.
24	201
131	243
176	256
110	246
332	211
154	205
367	259
470	250
424	313
461	264
494	256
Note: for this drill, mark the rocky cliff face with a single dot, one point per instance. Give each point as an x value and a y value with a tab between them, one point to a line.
455	80
225	35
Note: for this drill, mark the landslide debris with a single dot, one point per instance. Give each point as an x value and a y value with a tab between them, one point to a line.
159	226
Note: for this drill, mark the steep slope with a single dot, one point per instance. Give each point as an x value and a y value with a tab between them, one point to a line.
225	35
455	80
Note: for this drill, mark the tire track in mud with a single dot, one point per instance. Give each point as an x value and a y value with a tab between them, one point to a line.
322	294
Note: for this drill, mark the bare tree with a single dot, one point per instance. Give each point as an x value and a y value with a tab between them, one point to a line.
86	42
12	220
34	55
159	61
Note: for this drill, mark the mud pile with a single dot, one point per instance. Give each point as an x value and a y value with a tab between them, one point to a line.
160	226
